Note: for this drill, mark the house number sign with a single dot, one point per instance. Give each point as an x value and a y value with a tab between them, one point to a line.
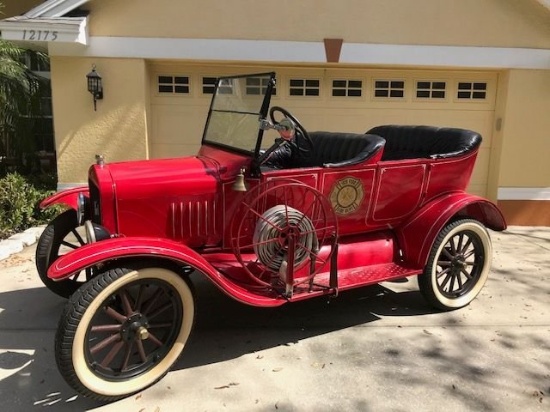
40	35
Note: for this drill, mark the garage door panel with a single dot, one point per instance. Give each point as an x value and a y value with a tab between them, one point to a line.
178	121
477	189
167	151
481	169
176	127
359	120
311	118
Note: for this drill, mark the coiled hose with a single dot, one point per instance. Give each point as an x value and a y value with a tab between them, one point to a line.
271	236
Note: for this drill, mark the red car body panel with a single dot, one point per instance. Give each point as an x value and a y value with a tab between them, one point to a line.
417	235
143	247
181	210
67	197
355	269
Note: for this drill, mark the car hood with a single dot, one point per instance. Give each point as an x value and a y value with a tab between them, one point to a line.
162	177
155	197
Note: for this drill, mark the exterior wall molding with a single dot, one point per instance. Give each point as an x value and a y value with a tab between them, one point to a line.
524	193
307	52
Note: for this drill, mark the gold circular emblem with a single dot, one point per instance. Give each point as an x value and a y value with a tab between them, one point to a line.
346	195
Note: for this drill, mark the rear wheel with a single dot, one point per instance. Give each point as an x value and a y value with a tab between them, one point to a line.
123	330
458	265
61	236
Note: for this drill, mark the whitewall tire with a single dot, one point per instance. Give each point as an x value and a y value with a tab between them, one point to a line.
458	265
123	330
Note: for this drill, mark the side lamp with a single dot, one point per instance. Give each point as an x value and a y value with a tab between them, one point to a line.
95	86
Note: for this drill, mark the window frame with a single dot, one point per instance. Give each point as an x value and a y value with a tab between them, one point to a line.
362	88
262	87
390	88
304	87
446	90
471	91
158	84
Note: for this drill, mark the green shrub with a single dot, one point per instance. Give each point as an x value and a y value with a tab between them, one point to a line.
19	201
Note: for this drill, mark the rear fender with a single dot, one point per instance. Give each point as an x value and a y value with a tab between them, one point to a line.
418	234
67	197
104	251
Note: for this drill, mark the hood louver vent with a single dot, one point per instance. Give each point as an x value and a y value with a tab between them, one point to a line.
193	220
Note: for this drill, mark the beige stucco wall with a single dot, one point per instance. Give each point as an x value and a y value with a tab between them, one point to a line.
17	7
118	129
507	23
493	176
525	157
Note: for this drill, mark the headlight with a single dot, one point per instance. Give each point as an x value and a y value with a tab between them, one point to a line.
81	208
95	232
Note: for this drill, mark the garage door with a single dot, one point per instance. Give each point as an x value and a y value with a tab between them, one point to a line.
333	100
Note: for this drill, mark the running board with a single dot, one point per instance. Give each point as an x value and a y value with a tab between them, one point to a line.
352	278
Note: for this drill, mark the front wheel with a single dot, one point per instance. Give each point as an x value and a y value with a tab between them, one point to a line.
123	330
61	236
458	265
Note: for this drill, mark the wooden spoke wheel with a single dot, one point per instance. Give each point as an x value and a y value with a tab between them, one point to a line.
61	236
123	330
458	265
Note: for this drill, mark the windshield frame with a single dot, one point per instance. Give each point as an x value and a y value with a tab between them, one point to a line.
262	113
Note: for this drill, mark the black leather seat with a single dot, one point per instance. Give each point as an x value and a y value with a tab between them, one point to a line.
343	149
330	149
413	142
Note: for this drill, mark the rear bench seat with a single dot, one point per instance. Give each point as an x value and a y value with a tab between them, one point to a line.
413	142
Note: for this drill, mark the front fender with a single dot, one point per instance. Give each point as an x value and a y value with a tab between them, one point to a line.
418	234
67	197
135	247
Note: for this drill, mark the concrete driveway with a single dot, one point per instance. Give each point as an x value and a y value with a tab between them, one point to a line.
379	348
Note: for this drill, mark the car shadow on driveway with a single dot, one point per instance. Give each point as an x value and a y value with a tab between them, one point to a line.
224	330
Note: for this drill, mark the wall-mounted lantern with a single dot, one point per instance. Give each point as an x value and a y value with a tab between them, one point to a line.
95	87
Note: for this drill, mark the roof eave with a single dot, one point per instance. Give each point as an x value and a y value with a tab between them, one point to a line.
45	29
54	8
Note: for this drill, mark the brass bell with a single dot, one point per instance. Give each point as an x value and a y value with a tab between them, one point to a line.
240	185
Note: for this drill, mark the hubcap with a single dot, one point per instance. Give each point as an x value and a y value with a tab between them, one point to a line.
142	333
458	264
134	328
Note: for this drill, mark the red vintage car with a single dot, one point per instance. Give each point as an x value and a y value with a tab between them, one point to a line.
269	220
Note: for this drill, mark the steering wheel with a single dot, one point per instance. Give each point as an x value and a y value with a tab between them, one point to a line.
302	132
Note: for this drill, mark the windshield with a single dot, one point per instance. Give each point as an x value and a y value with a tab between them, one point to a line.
237	106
